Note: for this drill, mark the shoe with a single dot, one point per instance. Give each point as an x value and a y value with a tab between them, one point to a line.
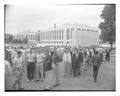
95	81
47	89
56	85
14	86
21	89
37	80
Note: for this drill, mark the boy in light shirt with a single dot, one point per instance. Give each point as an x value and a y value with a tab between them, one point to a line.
17	64
67	62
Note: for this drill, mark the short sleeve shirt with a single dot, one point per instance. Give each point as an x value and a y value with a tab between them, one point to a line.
17	62
30	57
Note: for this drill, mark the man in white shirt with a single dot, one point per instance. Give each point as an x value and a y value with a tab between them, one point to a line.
67	62
40	65
30	65
17	66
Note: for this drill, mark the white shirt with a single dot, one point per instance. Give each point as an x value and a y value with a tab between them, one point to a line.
39	57
17	62
67	57
7	67
24	55
13	54
30	57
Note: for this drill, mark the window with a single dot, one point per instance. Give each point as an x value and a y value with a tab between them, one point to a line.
88	29
68	34
96	31
71	33
92	30
62	34
55	35
67	42
83	29
78	29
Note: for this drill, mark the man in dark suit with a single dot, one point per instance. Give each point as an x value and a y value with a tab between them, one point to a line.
76	64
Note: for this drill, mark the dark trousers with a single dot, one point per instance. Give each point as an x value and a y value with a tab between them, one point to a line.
76	71
107	58
30	70
95	72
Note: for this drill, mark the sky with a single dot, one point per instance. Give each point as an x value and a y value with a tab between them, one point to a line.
19	18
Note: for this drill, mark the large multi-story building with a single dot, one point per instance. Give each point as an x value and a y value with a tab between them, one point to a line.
68	34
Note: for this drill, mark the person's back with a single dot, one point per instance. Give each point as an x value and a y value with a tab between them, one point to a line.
81	57
96	61
55	58
96	64
76	58
48	62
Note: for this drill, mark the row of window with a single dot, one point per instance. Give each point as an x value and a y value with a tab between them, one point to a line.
87	30
50	42
52	35
69	33
32	37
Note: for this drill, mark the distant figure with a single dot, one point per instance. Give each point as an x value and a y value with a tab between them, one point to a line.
96	61
76	64
38	67
67	62
48	61
81	61
56	60
107	57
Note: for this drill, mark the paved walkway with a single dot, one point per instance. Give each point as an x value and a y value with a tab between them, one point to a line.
106	80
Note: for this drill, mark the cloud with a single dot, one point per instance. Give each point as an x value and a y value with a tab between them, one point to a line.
42	17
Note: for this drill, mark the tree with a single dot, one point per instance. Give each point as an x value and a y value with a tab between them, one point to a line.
108	27
17	41
8	38
25	40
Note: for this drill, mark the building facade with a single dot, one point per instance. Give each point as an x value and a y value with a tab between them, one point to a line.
68	34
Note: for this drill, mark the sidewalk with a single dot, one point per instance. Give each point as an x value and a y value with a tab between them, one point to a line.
106	80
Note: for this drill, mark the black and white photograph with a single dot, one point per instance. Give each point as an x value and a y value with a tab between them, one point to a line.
60	47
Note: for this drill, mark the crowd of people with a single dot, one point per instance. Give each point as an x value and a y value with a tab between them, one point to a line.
37	62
